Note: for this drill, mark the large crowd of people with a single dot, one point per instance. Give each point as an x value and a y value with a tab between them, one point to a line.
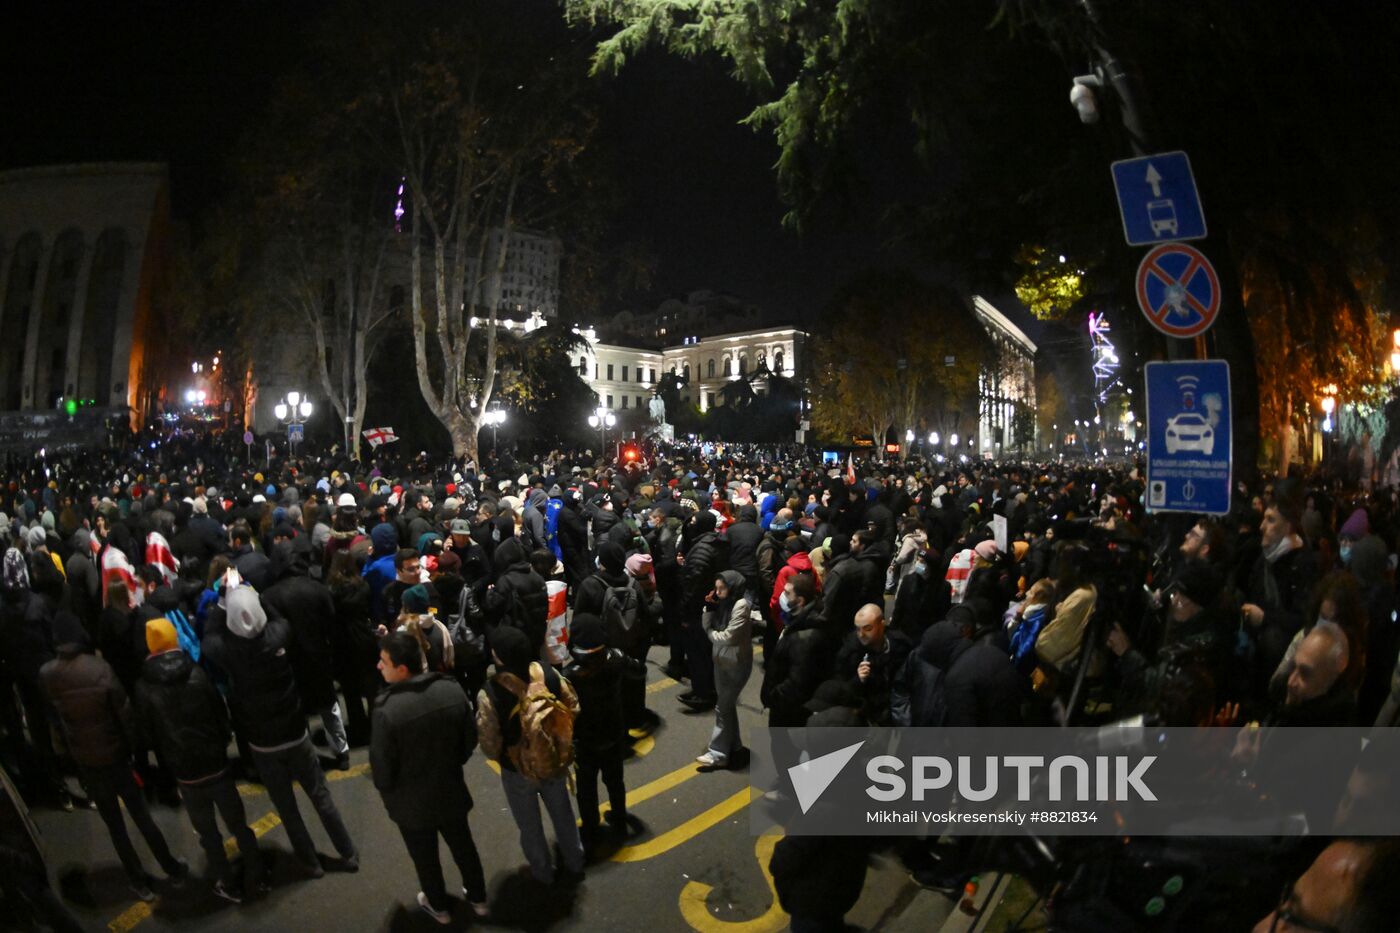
174	614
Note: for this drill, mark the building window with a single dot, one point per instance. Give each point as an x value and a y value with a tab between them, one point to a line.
709	400
624	374
639	401
687	372
583	366
778	362
710	369
743	365
651	375
610	402
610	375
624	401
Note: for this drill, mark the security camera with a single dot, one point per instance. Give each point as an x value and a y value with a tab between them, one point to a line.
1083	98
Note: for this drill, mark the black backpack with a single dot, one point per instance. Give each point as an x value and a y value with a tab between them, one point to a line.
622	614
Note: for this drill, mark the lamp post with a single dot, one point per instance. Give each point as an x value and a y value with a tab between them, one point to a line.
293	411
495	417
602	419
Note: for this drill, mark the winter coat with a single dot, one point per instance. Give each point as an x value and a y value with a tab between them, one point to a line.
730	625
588	598
84	587
1282	589
796	666
26	634
818	877
1058	644
422	733
92	707
744	538
769	556
354	645
253	566
801	562
532	521
885	665
310	612
704	560
263	692
183	714
573	543
981	686
520	597
597	679
843	593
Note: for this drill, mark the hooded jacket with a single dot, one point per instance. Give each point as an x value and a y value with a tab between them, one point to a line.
801	562
92	706
704	559
799	662
532	520
310	612
181	711
379	571
981	686
520	597
256	655
744	537
730	625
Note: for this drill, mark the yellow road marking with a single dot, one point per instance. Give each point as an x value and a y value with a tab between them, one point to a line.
257	790
697	914
134	915
686	831
656	686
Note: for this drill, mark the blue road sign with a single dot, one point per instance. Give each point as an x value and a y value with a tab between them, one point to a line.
296	433
1158	200
1189	437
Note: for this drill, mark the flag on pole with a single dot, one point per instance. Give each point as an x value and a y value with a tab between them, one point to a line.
850	470
377	436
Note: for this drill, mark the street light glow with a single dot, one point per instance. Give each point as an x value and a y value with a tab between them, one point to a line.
953	439
933	438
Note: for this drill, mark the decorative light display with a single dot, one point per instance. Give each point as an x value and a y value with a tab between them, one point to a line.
1105	356
398	208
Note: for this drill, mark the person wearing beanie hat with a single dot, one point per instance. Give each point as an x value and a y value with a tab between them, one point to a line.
501	732
255	650
161	636
186	717
610	574
597	672
416	617
1356	527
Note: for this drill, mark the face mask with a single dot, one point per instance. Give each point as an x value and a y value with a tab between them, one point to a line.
780	526
1345	553
784	605
921	569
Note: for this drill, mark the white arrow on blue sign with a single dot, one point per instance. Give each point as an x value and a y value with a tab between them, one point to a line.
1157	199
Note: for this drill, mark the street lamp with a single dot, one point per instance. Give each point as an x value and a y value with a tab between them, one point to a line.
293	411
933	438
602	419
953	440
495	418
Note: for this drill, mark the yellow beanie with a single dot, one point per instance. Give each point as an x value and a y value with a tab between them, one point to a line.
160	636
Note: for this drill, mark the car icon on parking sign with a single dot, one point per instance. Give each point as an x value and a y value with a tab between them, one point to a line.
1190	431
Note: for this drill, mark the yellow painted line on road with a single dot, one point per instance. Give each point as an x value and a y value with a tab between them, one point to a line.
686	831
695	894
257	790
139	912
665	683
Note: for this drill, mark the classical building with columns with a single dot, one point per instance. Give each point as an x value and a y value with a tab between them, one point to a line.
81	248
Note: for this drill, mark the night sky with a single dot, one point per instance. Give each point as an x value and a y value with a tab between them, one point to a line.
180	82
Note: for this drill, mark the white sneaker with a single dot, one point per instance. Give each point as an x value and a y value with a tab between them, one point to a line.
710	760
441	916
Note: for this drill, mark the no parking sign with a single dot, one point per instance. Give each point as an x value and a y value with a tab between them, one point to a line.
1178	290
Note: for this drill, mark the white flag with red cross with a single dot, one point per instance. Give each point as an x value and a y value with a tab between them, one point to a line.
377	436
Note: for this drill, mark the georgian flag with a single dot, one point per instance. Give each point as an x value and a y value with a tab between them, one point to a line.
115	566
850	470
158	555
377	436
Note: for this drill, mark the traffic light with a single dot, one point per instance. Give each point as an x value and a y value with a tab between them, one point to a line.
70	406
630	453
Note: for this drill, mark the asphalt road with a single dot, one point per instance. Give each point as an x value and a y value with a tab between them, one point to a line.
694	865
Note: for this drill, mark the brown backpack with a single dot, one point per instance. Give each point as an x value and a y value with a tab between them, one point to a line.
546	747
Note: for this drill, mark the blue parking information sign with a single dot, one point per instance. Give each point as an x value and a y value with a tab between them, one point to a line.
1157	199
1189	437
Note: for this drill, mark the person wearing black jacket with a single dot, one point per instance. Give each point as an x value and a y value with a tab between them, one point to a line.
744	537
253	648
703	560
611	572
980	686
26	645
184	716
870	659
573	541
843	587
600	732
663	540
519	596
801	658
818	879
423	734
309	609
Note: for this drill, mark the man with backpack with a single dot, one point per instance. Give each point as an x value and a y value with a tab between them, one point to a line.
525	717
422	736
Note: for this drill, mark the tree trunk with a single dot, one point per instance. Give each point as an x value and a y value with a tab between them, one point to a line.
464	433
1283	436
